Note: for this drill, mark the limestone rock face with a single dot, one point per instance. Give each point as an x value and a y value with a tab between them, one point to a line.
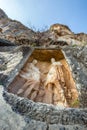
60	29
57	34
42	88
8	119
77	58
2	14
15	31
39	115
82	37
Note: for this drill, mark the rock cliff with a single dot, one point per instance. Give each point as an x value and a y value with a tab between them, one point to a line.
57	34
43	85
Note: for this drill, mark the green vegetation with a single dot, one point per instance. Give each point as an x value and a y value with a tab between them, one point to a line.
74	45
75	103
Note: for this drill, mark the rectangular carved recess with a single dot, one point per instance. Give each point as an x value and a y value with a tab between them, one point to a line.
46	78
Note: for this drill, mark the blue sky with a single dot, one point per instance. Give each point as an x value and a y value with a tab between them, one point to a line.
41	13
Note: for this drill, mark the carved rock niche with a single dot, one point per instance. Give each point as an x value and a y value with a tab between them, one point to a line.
46	78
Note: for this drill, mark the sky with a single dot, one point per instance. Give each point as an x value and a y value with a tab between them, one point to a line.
40	14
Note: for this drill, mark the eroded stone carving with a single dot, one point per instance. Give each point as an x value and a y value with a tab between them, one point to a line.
52	90
47	81
32	76
55	84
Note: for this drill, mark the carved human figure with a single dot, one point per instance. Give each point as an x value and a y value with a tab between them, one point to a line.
32	74
54	85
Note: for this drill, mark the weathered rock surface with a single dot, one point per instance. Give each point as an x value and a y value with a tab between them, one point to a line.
2	14
57	34
6	43
77	59
11	60
16	32
46	78
39	115
19	113
46	113
9	120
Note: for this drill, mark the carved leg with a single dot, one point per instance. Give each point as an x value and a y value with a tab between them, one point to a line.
56	96
34	95
40	95
60	91
35	91
48	94
31	87
29	82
